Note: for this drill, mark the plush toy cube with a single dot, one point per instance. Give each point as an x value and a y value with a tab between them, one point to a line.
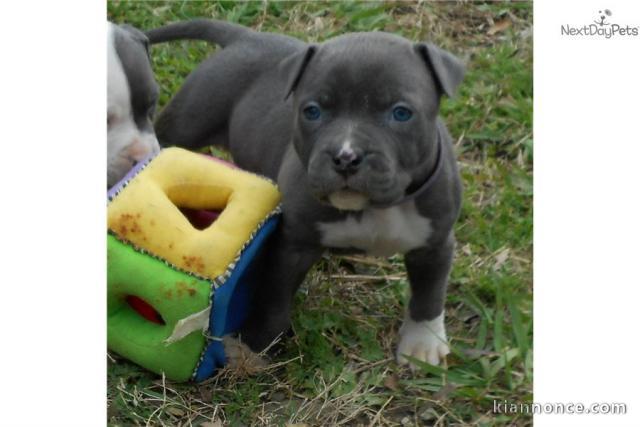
184	230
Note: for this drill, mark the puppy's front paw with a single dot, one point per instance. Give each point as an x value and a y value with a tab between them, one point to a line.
240	358
425	340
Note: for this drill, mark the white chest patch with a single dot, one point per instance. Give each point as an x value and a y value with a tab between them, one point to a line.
381	232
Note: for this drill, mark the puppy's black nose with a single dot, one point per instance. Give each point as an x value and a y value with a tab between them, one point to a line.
347	161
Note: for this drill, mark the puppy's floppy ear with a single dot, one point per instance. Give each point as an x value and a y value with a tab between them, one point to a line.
293	66
137	35
447	70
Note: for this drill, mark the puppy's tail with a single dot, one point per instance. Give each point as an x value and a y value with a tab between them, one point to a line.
211	30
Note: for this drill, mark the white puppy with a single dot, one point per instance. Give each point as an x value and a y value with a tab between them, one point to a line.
132	93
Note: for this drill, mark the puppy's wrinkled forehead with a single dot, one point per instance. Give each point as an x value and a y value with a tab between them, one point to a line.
375	69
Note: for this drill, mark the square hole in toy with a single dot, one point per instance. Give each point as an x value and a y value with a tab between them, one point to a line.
201	205
200	219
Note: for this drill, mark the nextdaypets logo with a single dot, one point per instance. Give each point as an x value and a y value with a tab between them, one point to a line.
601	27
602	22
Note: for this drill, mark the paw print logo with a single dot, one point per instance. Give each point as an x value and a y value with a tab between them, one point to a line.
603	15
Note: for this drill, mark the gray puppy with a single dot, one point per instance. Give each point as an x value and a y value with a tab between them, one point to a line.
349	129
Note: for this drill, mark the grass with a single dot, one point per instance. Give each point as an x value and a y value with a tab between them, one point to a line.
338	367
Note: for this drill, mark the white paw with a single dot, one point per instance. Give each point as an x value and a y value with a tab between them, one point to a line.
425	341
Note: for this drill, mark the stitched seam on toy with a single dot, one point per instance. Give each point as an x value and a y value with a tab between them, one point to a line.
152	255
126	183
207	341
221	279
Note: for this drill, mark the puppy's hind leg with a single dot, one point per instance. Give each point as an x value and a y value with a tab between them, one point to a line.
198	115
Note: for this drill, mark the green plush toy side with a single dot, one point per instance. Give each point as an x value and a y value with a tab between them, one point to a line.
173	294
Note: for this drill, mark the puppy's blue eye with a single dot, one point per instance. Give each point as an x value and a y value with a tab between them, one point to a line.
402	114
312	112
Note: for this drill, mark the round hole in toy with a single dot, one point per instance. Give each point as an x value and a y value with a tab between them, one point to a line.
144	309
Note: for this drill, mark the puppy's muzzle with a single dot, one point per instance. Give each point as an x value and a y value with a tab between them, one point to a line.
347	161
